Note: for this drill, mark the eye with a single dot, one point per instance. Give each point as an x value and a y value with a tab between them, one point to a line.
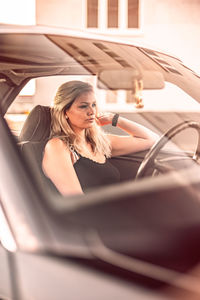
83	106
94	105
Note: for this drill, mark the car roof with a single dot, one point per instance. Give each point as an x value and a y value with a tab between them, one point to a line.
46	30
34	51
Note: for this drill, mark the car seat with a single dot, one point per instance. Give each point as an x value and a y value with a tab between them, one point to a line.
36	131
32	140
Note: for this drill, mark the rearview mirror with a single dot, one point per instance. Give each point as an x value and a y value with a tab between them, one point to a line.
124	79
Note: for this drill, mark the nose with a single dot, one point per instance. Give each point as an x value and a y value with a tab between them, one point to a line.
91	111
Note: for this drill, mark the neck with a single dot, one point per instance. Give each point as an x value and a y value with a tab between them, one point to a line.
78	131
81	136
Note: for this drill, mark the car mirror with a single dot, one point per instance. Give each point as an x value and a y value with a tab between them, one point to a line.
124	79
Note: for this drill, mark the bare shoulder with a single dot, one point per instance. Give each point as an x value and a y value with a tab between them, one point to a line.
56	150
57	165
56	144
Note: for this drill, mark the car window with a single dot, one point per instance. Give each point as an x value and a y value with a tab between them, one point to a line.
161	109
155	102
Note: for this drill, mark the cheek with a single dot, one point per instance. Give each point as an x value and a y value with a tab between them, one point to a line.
76	116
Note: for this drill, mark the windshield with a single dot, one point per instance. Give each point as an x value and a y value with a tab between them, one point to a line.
140	85
161	108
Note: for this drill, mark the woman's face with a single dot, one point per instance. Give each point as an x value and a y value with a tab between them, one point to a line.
82	113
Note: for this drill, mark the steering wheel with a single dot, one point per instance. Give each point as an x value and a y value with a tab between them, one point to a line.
150	158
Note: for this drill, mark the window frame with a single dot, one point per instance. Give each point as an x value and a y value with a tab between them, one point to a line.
123	29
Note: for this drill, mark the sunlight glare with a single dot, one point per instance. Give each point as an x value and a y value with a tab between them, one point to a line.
20	12
17	12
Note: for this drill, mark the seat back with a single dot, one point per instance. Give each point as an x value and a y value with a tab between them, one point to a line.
32	140
36	131
37	125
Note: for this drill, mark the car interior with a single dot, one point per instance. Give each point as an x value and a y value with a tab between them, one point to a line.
35	134
140	228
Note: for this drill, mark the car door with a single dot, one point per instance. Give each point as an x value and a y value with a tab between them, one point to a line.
6	273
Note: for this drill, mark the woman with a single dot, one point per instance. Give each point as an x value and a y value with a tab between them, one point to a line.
75	158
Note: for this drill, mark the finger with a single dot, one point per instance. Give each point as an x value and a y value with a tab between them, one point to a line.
100	115
97	120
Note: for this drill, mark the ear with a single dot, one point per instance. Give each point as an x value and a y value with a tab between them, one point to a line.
66	116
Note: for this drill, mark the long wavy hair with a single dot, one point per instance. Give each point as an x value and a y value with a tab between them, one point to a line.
60	127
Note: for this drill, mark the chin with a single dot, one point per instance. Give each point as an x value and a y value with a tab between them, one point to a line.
89	126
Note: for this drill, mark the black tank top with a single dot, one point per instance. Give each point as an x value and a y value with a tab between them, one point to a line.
93	174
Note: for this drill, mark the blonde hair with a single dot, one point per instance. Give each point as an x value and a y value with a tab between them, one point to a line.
60	127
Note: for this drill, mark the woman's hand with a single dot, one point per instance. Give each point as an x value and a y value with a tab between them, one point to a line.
104	118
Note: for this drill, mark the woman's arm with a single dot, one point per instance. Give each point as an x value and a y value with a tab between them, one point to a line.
57	165
140	138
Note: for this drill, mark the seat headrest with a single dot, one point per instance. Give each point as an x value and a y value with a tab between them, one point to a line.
37	125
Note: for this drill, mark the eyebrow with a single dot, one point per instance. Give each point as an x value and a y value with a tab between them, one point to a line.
85	102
